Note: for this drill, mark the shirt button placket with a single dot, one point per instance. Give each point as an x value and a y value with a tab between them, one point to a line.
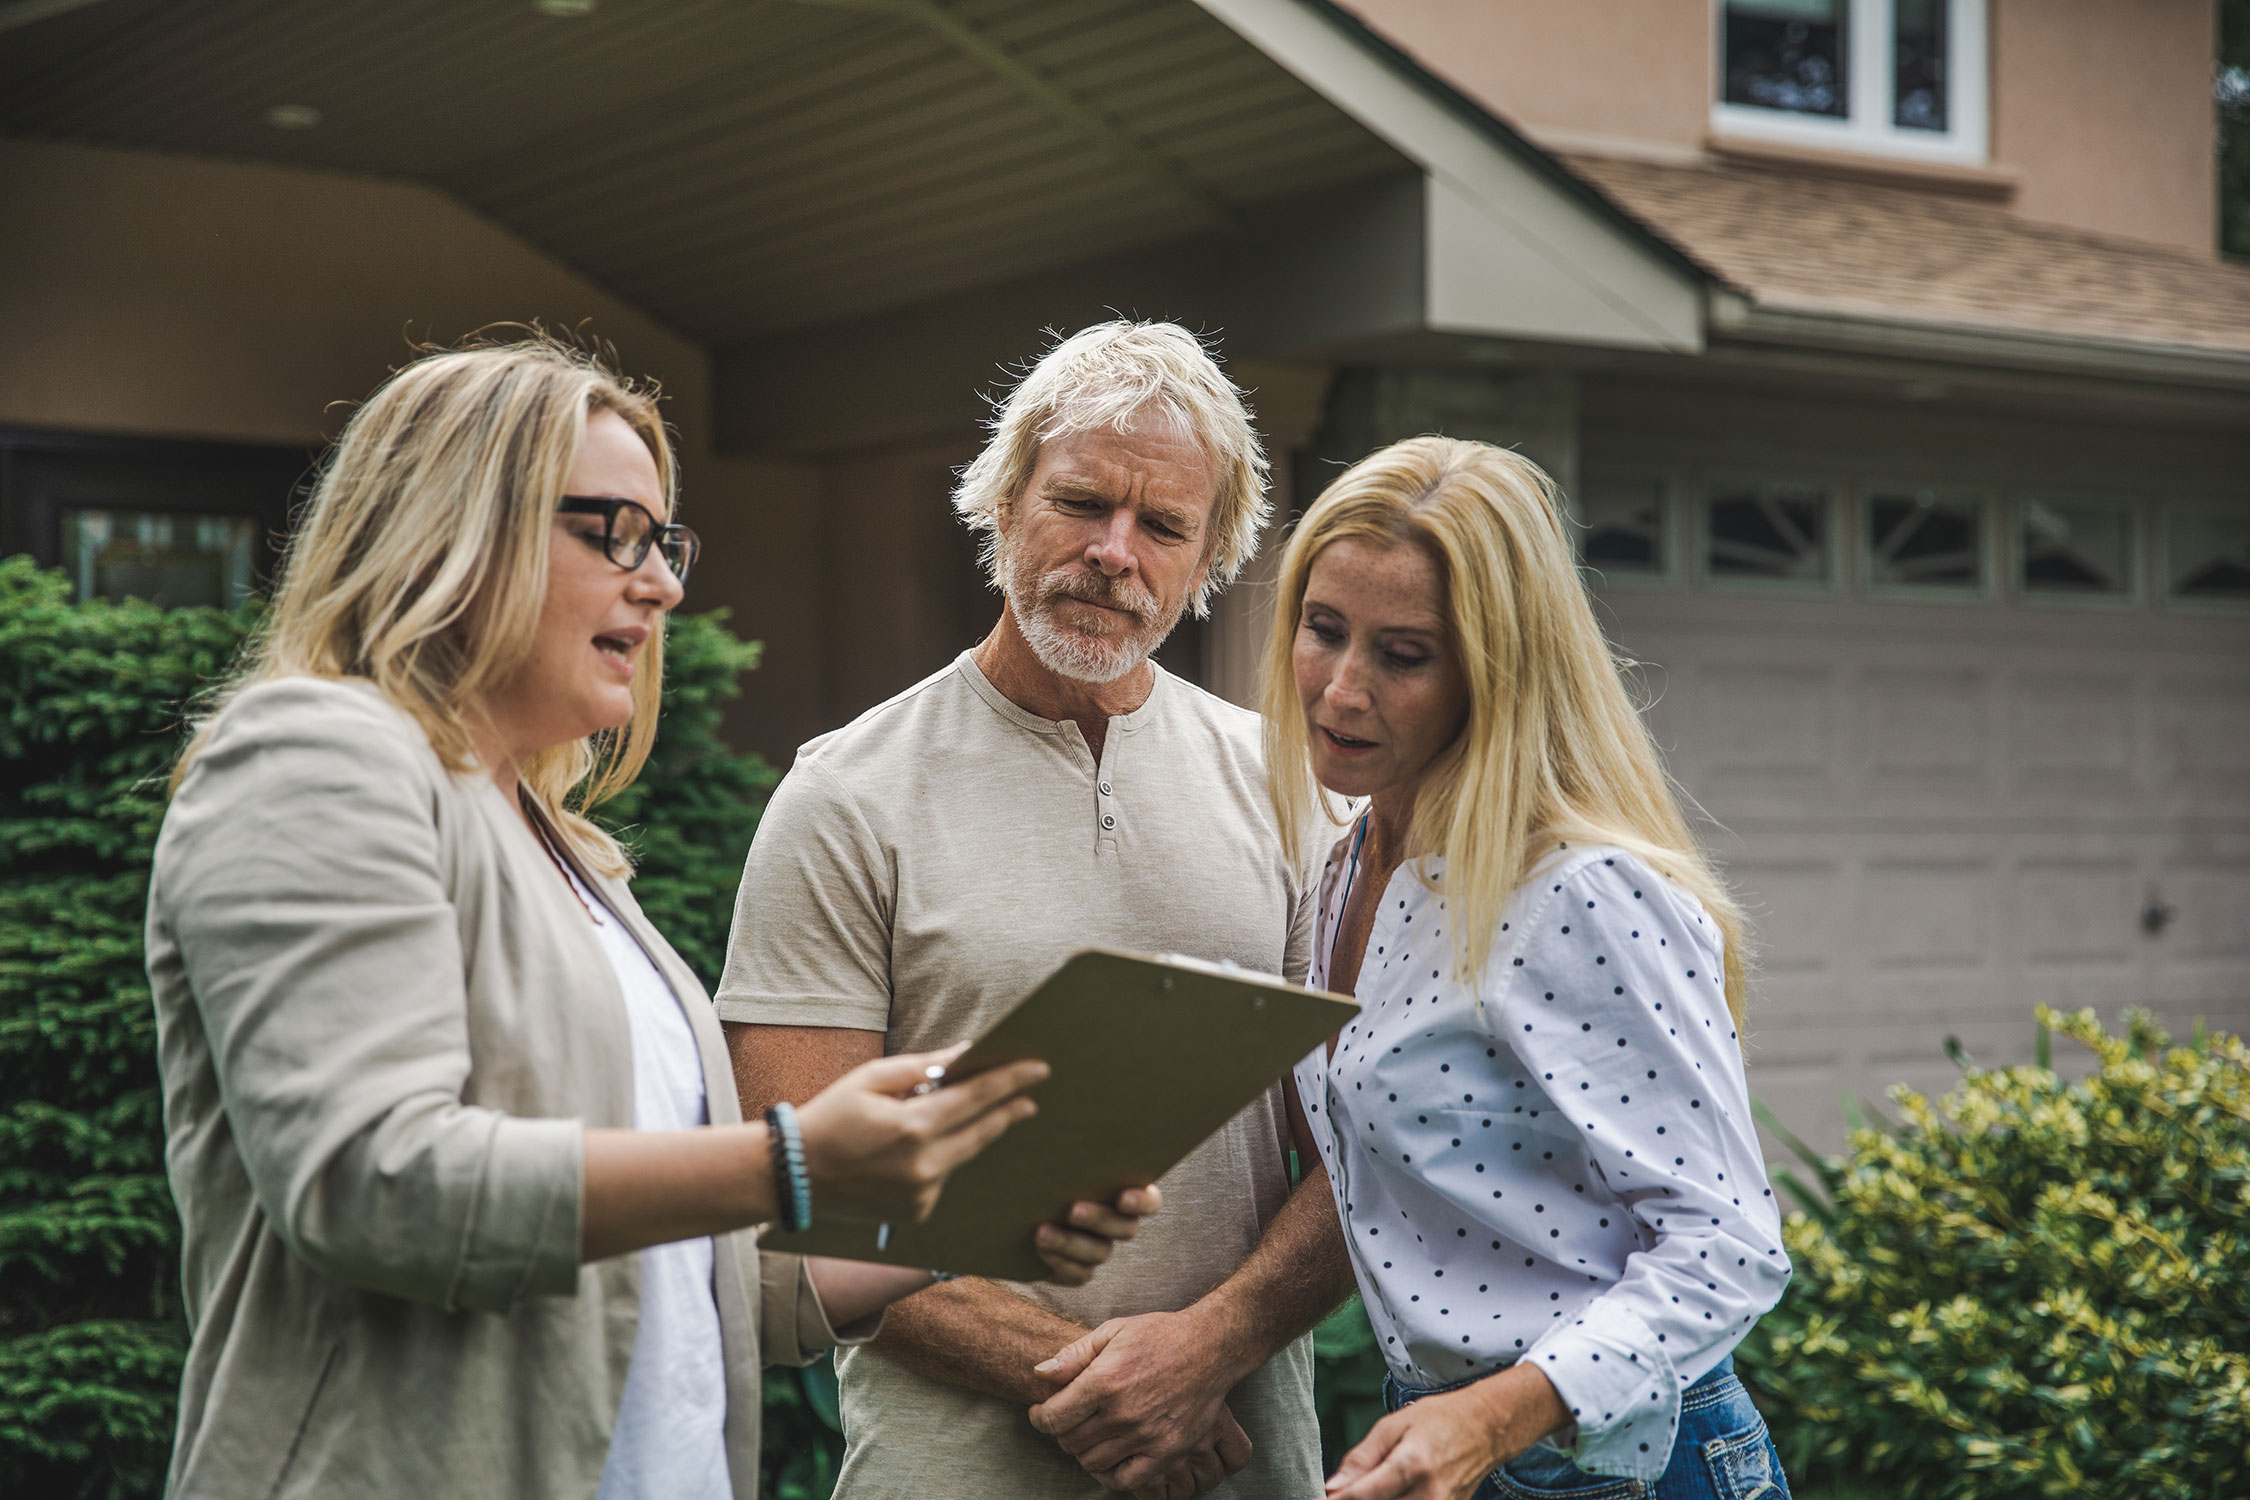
1107	803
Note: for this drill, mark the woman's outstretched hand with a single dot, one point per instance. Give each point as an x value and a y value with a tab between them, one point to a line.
1441	1447
876	1151
1087	1235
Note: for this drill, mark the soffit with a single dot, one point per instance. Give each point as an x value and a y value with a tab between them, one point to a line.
734	167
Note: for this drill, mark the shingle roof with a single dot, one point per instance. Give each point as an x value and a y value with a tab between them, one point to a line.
1793	240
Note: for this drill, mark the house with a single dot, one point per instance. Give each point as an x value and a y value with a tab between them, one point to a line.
1881	346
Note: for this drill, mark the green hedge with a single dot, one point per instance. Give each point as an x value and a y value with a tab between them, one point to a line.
91	1335
2038	1287
90	1331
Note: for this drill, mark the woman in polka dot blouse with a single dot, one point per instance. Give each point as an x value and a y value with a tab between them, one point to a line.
1537	1129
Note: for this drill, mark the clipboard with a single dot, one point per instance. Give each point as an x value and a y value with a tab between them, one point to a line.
1151	1055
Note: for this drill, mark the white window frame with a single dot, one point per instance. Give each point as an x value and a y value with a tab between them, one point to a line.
1872	81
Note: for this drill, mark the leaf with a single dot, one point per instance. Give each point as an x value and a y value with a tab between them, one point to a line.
1827	1170
822	1393
1814	1205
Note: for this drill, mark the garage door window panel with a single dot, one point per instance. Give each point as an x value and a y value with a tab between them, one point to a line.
2206	560
1925	542
1624	529
1768	534
2076	550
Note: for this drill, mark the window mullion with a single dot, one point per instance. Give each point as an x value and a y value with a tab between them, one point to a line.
1967	78
1872	74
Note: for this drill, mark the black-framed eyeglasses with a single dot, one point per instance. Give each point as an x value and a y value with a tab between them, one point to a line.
628	531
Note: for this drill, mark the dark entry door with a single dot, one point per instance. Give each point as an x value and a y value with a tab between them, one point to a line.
177	523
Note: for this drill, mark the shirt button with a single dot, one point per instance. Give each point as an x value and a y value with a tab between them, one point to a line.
1108	821
1105	789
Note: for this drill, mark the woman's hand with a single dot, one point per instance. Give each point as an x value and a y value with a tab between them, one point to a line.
1441	1447
1090	1231
851	1290
876	1151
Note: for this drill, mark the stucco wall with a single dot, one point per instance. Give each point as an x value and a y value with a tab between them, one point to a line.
760	524
1631	69
2101	107
2106	110
171	296
903	593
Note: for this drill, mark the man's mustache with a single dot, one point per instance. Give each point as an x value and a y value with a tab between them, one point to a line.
1098	588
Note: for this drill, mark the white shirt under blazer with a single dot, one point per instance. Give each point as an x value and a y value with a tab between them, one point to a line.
1556	1163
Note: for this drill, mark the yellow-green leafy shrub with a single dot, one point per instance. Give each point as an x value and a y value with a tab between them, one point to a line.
2037	1287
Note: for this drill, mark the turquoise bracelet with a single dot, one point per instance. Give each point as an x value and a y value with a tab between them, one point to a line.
789	1167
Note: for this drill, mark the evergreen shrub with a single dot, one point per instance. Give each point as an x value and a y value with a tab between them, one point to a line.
91	1334
1348	1373
90	1329
2037	1287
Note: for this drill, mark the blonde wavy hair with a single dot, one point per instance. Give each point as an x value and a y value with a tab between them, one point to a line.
1553	751
1106	376
420	562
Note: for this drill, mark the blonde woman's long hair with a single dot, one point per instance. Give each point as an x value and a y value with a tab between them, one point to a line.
1553	751
420	561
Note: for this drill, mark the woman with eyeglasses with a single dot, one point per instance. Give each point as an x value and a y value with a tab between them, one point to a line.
465	1193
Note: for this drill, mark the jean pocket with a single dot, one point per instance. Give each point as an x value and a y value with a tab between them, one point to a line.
1544	1474
1744	1465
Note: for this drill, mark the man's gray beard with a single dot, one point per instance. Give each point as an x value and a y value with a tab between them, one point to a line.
1072	653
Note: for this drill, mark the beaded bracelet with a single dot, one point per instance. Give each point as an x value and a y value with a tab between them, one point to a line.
788	1144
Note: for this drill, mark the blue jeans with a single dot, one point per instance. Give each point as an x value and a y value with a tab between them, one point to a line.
1723	1452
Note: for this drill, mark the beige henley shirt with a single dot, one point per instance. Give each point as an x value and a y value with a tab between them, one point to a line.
917	873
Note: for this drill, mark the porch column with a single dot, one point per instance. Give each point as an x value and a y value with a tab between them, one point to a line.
1290	402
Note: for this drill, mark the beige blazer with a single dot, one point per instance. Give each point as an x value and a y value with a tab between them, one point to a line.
383	1022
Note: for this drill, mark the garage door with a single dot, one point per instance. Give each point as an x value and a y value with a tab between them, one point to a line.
2009	764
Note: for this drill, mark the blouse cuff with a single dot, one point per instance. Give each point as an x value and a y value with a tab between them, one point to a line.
1620	1387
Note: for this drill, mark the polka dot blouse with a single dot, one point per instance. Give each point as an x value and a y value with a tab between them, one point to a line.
1557	1164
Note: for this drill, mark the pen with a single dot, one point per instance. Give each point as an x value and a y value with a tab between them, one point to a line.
933	1079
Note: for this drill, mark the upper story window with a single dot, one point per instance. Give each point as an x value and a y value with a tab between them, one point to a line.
1902	77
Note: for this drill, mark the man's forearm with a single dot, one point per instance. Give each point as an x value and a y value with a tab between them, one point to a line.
974	1334
1145	1391
1296	1277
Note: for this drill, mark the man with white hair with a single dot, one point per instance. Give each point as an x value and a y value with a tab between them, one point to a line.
921	869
